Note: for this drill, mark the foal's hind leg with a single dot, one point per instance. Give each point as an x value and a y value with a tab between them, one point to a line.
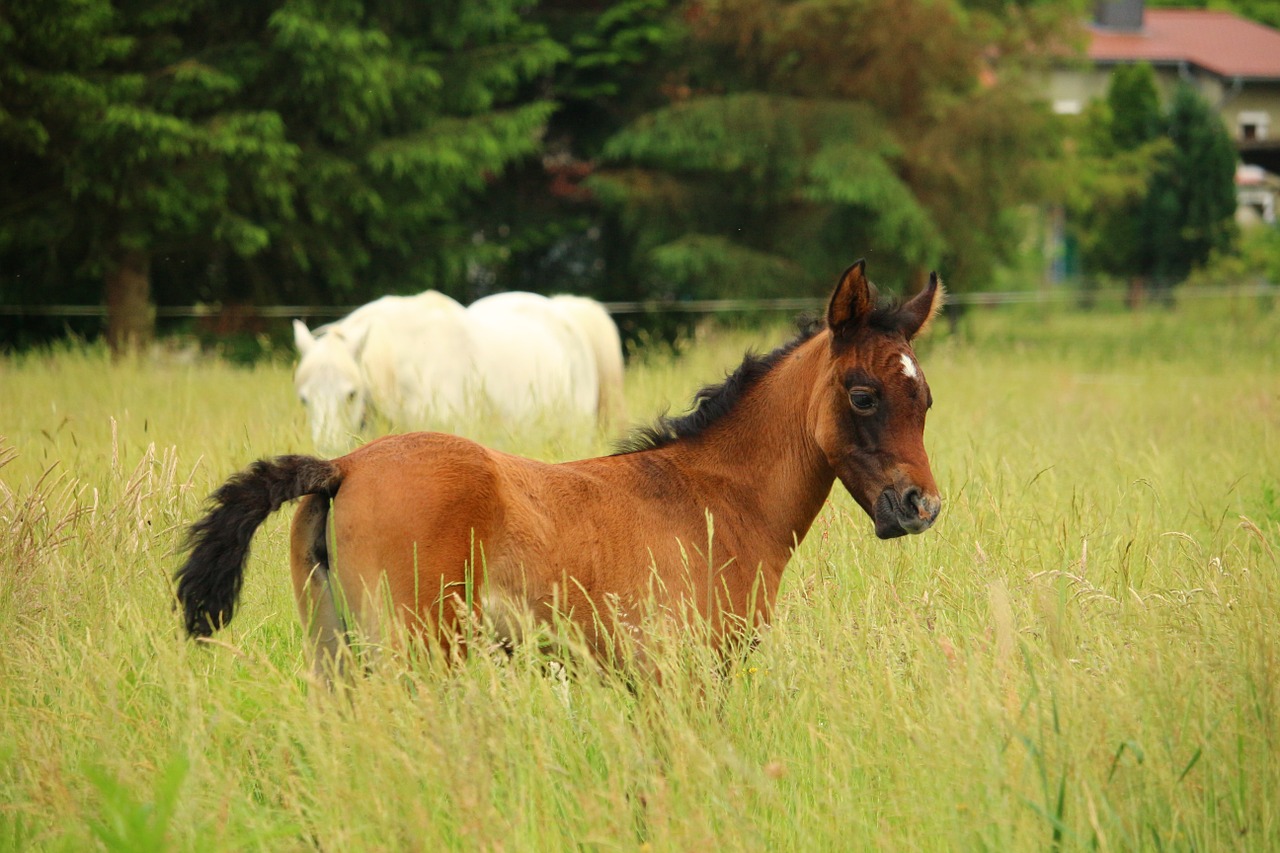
314	589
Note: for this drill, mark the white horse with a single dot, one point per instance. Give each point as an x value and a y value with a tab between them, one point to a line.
606	346
411	358
389	306
535	363
425	360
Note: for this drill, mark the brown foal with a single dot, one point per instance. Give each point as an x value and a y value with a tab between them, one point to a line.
436	526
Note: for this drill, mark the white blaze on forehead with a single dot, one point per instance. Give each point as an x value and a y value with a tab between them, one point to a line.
909	366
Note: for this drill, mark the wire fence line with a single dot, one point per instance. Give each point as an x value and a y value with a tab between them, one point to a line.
1047	295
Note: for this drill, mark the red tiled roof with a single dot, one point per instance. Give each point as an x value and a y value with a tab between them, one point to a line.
1220	42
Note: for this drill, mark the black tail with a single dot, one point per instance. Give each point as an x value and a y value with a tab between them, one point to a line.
209	583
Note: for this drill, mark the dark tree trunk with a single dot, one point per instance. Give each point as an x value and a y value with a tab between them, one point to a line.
130	317
1137	291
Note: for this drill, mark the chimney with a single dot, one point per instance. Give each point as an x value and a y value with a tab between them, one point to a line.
1118	14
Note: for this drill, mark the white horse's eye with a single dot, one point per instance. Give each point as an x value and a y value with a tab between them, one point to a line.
351	396
303	398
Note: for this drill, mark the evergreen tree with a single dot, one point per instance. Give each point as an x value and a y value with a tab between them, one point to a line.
1135	106
119	155
741	188
544	220
1202	183
1120	229
797	134
1176	202
299	148
1263	11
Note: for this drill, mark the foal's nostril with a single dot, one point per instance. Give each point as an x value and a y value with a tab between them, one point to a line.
912	499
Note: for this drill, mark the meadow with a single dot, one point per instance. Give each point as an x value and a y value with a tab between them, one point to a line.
1084	652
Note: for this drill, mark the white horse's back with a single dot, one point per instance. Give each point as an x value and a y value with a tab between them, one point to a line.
420	365
419	304
535	359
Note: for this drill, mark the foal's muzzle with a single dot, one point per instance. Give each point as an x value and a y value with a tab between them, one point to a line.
908	511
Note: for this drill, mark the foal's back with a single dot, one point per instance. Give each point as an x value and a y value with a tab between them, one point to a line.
440	520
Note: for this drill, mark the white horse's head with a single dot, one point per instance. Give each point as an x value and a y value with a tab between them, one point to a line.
330	384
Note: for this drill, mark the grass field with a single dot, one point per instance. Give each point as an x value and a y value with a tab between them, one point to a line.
1083	653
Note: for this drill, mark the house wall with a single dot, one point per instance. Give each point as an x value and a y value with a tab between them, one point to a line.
1069	90
1256	98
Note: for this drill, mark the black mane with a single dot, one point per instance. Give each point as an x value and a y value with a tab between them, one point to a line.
713	402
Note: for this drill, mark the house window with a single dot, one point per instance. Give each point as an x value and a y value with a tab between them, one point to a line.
1253	125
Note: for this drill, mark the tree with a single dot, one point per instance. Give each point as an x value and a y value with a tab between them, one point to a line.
545	220
725	171
1119	234
1263	11
795	134
295	148
124	157
1156	191
1201	182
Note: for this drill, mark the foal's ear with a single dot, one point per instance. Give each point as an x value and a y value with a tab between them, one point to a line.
853	301
302	337
919	312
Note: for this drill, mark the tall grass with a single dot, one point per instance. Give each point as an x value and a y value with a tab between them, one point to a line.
1083	653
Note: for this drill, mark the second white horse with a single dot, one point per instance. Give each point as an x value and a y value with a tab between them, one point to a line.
424	361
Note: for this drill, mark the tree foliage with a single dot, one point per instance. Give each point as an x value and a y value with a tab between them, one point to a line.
545	231
298	148
804	133
1122	152
1200	183
330	151
740	162
1154	191
1263	11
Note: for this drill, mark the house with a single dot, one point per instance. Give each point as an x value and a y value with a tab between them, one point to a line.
1257	191
1233	62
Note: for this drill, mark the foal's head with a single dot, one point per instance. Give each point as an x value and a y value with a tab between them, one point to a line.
869	408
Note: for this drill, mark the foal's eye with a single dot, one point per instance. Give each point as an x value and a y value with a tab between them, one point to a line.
863	401
351	396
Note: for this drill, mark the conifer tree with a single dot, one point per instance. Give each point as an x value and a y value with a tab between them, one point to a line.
299	148
120	150
543	216
1129	232
1175	203
798	134
1202	183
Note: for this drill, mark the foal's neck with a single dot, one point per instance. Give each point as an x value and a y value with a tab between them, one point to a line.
766	448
